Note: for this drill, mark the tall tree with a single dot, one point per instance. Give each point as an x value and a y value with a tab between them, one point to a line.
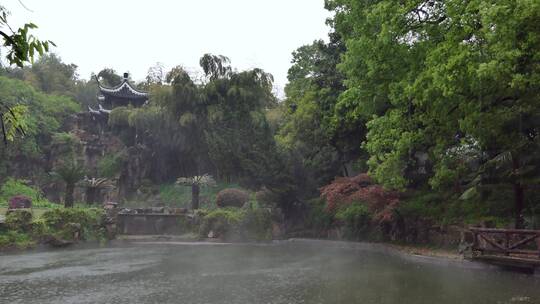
441	76
314	127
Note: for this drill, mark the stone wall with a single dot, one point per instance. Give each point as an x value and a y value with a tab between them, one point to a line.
152	224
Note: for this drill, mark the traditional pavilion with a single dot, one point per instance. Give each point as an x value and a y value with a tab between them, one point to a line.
123	94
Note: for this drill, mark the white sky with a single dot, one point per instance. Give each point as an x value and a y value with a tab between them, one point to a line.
133	35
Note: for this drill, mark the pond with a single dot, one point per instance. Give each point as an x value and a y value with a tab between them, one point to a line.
283	272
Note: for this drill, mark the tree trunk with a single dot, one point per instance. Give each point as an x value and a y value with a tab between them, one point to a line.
195	196
91	195
68	203
519	198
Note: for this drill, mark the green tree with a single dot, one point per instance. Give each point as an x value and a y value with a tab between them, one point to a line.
432	75
313	127
21	47
44	117
20	44
109	77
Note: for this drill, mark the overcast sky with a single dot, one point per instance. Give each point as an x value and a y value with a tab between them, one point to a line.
134	35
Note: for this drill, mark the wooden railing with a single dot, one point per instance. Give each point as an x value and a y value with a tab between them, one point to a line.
515	242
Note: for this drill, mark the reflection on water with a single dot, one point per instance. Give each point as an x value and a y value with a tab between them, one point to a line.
278	273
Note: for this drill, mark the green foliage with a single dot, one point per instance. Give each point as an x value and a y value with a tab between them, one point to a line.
65	144
356	220
20	44
15	239
318	219
256	224
425	204
50	75
313	132
19	220
14	121
224	222
490	207
238	224
64	138
59	223
43	116
109	77
62	222
119	117
70	172
111	164
436	71
388	143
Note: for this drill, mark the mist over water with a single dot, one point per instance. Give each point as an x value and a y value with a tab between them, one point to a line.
273	273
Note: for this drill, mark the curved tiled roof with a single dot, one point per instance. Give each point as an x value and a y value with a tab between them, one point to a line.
123	90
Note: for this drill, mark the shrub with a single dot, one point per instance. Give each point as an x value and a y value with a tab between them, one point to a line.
223	222
266	197
38	229
15	239
20	201
231	198
119	117
356	220
19	220
256	224
65	143
64	221
343	191
317	218
238	224
111	165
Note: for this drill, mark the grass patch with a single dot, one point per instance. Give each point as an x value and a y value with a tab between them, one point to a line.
13	187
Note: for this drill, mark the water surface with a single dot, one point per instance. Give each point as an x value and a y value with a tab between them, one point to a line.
275	273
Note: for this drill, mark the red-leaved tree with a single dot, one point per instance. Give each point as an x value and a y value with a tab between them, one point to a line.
361	188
